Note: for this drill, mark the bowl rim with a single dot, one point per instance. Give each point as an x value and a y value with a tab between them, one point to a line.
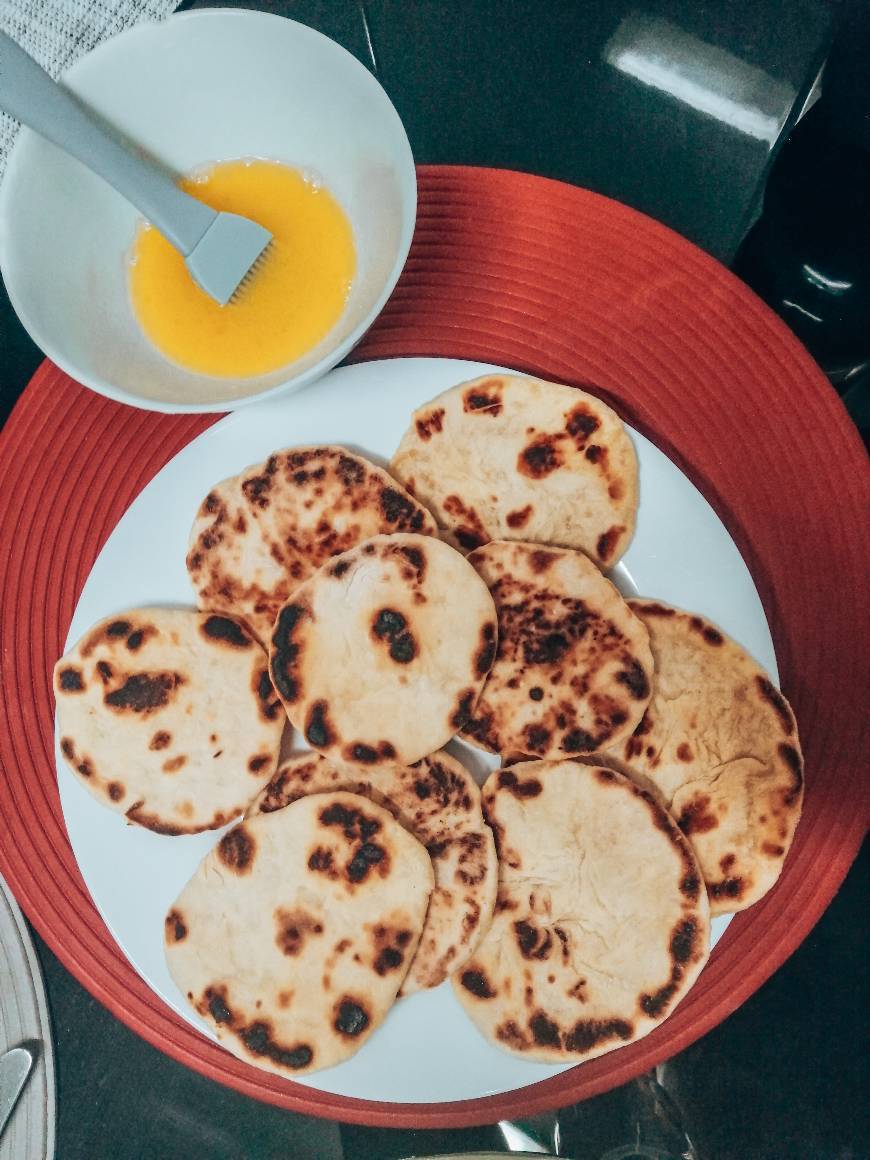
295	382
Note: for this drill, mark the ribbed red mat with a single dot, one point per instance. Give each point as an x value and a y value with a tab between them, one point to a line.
549	279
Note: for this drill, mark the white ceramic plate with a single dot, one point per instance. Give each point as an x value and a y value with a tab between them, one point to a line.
29	1135
681	553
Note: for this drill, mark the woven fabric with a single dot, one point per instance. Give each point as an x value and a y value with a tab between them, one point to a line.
57	32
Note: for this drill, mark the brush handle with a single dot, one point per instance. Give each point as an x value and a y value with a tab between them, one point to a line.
30	95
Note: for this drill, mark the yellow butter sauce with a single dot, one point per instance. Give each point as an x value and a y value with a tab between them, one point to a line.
293	301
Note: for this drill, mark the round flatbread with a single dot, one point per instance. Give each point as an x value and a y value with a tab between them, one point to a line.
573	666
380	656
169	716
506	457
601	923
436	800
720	744
257	535
294	934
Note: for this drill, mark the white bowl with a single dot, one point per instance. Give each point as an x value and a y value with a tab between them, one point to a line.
200	87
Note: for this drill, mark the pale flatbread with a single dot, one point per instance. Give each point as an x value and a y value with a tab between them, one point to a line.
380	656
260	533
573	667
293	936
169	716
506	457
601	923
438	801
720	744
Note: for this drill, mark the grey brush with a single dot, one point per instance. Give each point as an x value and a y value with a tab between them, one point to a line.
220	249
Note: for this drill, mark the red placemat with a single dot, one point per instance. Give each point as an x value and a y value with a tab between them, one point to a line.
557	281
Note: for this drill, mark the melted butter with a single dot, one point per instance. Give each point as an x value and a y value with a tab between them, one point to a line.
292	302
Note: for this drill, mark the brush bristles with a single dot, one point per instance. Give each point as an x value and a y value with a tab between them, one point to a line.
252	273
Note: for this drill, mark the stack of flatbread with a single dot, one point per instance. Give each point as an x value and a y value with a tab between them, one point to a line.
650	772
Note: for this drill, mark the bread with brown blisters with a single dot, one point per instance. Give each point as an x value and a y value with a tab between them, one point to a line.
601	923
380	656
573	667
508	457
437	801
720	744
169	717
259	534
295	933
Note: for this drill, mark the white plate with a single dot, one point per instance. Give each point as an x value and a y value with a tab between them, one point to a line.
681	553
29	1135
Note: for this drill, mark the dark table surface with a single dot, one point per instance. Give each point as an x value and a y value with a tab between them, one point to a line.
677	108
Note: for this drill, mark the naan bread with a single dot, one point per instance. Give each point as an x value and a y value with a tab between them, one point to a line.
720	744
293	936
573	666
437	801
506	457
260	533
380	656
169	716
601	923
